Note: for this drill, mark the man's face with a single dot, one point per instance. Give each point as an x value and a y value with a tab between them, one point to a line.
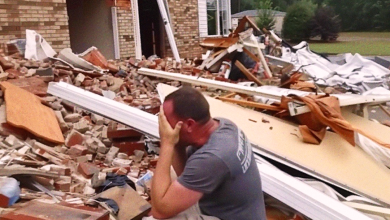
173	120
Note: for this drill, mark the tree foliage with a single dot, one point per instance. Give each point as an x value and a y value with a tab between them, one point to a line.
266	15
297	20
355	15
363	15
325	23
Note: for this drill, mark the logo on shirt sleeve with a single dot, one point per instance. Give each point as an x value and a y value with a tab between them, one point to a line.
244	151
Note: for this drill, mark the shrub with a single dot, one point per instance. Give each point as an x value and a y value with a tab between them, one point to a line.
266	15
325	23
297	20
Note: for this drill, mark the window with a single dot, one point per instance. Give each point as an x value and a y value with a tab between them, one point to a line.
218	17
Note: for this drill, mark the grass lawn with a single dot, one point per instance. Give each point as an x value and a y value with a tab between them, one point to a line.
364	43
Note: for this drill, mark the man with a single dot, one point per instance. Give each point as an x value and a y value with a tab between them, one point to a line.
221	173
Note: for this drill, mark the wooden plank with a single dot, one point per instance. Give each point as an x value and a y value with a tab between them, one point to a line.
334	160
371	128
250	104
248	74
35	210
10	171
131	204
251	55
24	110
241	26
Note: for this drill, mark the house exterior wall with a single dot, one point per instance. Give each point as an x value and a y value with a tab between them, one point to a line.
185	27
48	17
126	33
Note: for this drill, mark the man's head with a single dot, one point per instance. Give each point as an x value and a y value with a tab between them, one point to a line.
189	106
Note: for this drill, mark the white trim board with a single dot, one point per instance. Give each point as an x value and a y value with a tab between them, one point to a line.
270	92
302	197
137	32
168	29
136	118
114	14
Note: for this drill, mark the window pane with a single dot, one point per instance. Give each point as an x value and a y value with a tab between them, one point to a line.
212	17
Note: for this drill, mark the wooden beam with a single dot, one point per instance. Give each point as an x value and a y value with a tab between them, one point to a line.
251	55
10	171
251	104
248	74
241	26
229	95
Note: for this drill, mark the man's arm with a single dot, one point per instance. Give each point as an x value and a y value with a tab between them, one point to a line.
179	159
169	199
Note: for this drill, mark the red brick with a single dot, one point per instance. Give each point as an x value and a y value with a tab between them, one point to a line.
87	169
122	133
74	138
77	150
4	200
62	185
129	147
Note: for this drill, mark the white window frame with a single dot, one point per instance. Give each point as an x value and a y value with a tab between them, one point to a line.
203	25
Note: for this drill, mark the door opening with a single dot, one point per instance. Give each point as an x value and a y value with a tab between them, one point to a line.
149	20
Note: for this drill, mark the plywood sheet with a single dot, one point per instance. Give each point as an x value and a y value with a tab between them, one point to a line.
24	110
375	129
334	159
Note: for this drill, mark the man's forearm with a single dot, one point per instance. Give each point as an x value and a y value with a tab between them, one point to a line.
179	159
162	177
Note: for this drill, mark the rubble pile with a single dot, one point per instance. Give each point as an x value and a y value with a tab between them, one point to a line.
93	147
95	160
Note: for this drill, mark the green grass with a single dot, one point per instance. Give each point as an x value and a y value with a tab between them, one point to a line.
364	43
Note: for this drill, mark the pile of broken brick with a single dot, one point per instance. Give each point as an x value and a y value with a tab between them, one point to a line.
94	148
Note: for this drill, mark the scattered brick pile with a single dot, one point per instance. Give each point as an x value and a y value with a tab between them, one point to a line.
94	146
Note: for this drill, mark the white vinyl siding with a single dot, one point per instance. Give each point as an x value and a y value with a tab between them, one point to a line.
202	10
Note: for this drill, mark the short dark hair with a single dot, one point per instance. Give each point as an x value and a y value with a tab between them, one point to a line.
190	103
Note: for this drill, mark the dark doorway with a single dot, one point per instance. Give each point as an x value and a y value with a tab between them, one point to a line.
149	19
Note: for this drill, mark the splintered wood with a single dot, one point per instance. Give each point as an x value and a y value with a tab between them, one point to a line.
24	110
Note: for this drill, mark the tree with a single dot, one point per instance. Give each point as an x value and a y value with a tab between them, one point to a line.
296	21
325	23
266	15
381	19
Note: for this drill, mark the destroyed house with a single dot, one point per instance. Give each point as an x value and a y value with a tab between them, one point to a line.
119	28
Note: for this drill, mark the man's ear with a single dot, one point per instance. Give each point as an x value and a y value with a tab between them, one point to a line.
190	124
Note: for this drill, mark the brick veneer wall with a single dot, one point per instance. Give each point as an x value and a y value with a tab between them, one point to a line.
48	17
126	33
185	26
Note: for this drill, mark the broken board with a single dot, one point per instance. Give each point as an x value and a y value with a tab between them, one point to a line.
131	204
35	210
334	160
24	110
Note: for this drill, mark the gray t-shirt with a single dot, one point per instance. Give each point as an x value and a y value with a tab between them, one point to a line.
224	169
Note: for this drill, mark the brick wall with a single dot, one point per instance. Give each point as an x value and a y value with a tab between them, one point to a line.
126	33
48	17
185	26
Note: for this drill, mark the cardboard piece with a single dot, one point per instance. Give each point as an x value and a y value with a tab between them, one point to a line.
24	110
131	205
